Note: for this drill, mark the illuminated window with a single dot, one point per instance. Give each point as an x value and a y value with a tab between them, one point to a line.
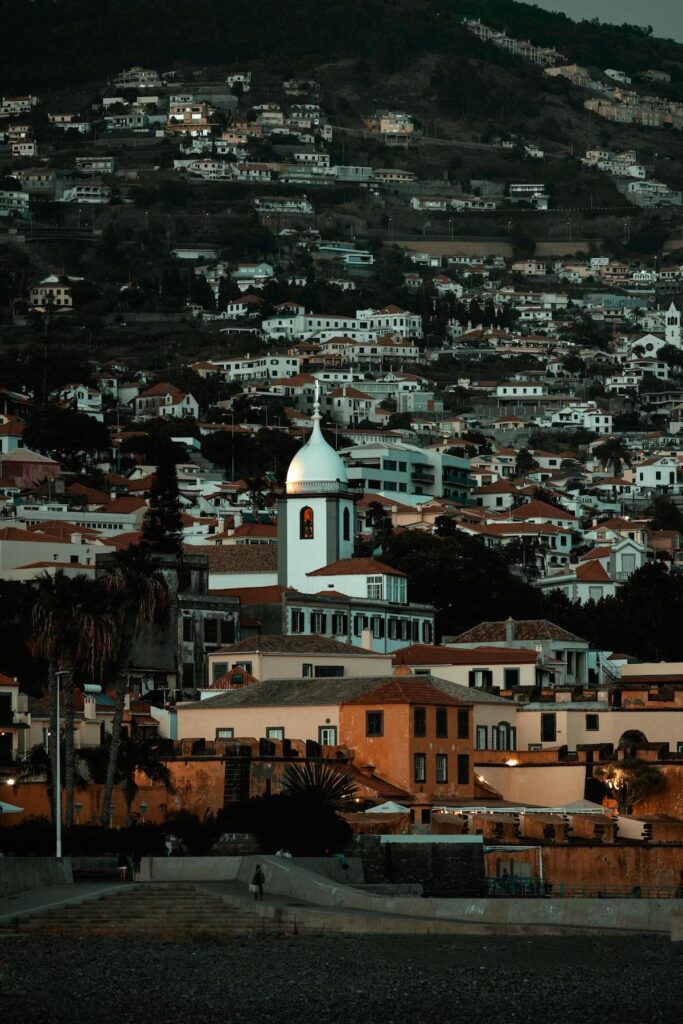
306	523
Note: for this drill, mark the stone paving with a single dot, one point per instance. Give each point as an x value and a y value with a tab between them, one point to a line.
335	979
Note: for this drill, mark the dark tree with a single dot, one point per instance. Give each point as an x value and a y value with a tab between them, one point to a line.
162	528
466	581
64	433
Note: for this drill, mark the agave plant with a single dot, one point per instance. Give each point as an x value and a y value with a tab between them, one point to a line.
321	781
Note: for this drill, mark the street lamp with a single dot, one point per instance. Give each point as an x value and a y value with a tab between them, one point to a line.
58	771
143	810
78	807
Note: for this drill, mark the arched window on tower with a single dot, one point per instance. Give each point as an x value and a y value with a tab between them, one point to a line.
346	525
306	523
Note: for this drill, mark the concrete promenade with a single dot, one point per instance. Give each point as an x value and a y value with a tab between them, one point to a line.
307	900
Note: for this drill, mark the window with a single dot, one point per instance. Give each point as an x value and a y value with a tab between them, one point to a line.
463	769
377	627
442	768
592	723
511	677
375	590
188	631
298	621
328	671
420	767
548	727
427	632
405	629
503	737
188	676
225	734
463	724
246	665
210	631
482	737
275	732
307	670
318	622
441	723
374	723
346	525
218	669
327	735
419	722
306	523
340	623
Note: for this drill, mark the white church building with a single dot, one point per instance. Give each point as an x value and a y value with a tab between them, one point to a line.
322	589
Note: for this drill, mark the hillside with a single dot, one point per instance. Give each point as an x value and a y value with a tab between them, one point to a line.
51	43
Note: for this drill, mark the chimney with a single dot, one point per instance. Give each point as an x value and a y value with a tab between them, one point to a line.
366	640
509	630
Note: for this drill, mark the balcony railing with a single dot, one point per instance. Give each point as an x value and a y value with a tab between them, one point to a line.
536	887
318	487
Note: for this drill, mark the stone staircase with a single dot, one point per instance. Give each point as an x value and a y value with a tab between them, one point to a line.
163	911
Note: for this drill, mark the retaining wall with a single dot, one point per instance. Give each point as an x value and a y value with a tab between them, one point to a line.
18	874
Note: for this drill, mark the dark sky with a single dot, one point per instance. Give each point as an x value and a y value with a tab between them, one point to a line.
665	16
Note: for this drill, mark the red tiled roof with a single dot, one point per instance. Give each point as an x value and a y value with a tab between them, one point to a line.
237	558
356	567
255	595
406	690
538	509
530	630
430	654
592	572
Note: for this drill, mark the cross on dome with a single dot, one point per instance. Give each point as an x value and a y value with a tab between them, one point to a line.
316	466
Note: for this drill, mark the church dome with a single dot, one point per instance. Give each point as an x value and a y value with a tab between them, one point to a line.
316	466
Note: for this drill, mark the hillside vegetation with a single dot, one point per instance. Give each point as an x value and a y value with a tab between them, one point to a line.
54	43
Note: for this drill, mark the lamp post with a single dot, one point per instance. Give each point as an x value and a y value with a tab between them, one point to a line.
143	810
78	807
58	771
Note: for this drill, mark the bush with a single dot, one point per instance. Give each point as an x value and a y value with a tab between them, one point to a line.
35	837
308	828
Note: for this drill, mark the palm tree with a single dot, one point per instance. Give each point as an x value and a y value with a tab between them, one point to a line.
72	629
321	781
140	755
141	593
614	453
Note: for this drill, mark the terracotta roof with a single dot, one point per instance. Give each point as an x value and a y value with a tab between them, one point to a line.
237	558
7	680
603	552
524	629
405	690
232	680
592	572
255	595
91	494
289	693
537	509
254	530
124	506
356	567
429	654
276	643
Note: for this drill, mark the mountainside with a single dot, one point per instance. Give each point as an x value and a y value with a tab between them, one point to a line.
51	43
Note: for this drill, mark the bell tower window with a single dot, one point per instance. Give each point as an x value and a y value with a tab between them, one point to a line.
346	525
306	523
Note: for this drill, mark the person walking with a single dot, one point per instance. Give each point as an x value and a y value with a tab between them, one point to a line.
257	883
123	866
137	865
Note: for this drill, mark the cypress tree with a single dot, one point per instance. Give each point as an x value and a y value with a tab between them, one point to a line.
162	528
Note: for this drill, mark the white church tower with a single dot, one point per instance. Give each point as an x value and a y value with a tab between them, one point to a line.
672	327
315	522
